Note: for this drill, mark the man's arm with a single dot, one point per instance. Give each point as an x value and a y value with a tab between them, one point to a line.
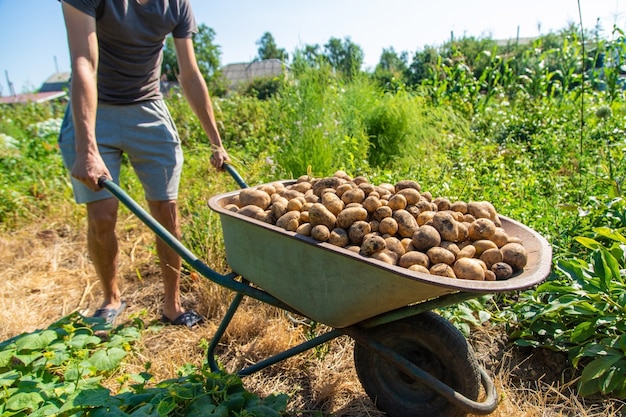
83	45
197	94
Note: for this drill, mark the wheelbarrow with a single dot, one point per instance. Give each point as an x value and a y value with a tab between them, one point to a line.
409	360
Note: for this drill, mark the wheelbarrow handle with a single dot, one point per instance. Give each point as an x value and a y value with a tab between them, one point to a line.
233	173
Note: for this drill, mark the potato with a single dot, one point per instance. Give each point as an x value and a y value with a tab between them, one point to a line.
515	255
469	268
467	252
343	188
414	258
502	270
304	229
339	237
481	229
372	245
490	275
386	256
382	212
491	257
446	225
442	270
332	203
342	174
500	237
367	188
425	238
255	197
355	195
386	188
406	184
289	221
250	210
319	214
296	204
324	183
279	207
394	245
478	210
357	231
289	194
451	246
311	198
301	187
266	217
350	215
425	216
388	226
419	268
231	207
459	207
442	203
371	203
320	232
374	225
411	195
353	248
439	255
482	245
407	225
397	202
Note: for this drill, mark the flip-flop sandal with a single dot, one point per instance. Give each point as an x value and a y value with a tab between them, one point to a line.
189	318
109	314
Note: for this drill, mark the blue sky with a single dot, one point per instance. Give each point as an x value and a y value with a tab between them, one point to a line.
33	42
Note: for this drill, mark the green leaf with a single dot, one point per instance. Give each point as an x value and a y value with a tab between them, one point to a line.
36	341
8	378
583	332
598	367
81	341
5	357
610	234
588	243
24	401
106	360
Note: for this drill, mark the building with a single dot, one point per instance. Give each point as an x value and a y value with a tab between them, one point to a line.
243	73
54	87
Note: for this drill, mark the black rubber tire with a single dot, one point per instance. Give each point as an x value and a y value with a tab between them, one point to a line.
433	344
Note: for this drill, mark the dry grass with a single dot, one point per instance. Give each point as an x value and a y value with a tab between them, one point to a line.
47	274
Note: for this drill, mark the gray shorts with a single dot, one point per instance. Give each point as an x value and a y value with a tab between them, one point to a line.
144	132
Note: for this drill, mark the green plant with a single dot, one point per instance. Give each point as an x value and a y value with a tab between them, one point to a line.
42	371
581	310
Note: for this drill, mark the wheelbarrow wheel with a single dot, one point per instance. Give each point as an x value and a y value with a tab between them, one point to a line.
434	345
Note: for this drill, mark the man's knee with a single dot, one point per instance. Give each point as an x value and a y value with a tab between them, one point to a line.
102	216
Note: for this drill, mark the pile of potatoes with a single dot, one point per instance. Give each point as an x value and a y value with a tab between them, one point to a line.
396	224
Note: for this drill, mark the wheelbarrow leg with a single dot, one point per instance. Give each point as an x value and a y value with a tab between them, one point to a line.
302	347
221	330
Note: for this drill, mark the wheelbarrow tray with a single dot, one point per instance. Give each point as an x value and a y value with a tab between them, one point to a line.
338	287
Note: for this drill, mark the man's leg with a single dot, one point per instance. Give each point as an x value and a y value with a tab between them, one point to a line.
103	248
166	213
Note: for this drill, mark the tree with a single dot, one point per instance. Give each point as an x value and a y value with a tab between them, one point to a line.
269	50
422	65
391	68
344	56
207	54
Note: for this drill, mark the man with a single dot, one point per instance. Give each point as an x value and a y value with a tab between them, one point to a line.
116	108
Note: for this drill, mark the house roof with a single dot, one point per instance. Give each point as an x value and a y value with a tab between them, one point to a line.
54	87
32	97
245	72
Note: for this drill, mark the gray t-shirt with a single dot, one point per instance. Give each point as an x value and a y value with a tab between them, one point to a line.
130	42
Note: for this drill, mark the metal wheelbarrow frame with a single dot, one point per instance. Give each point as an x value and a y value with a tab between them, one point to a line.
439	292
